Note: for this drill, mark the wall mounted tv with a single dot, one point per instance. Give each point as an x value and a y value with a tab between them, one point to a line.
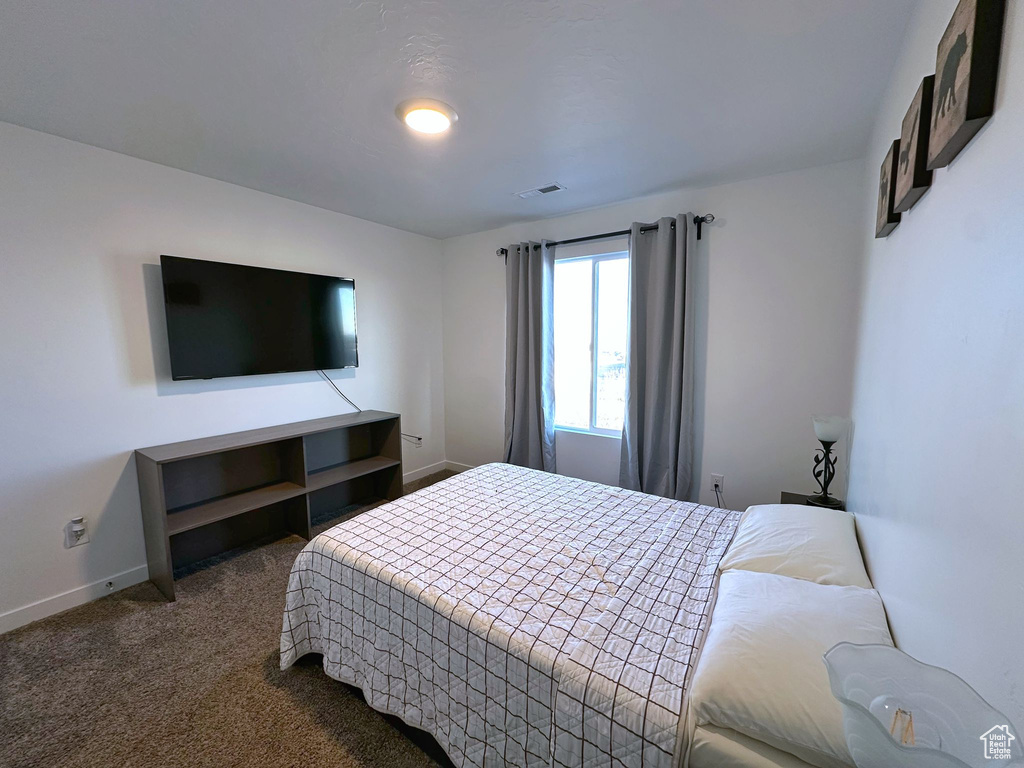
233	320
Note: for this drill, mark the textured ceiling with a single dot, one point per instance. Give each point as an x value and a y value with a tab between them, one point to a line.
611	99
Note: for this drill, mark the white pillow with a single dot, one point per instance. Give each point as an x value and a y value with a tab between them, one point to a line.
803	542
761	671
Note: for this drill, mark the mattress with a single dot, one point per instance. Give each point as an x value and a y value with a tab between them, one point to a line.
713	747
521	618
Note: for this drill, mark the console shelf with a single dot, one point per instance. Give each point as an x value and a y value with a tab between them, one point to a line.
206	496
186	518
349	470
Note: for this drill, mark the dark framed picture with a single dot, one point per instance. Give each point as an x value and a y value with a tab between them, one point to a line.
912	175
966	70
887	219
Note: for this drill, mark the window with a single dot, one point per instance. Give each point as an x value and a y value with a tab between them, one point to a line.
591	316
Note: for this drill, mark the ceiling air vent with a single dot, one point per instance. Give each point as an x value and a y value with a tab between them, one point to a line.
547	189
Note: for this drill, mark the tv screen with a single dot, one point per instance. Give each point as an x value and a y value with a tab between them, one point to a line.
233	320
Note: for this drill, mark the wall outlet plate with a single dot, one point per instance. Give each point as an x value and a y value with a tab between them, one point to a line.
70	539
718	480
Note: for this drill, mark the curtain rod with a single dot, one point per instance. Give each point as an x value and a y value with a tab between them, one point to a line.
698	220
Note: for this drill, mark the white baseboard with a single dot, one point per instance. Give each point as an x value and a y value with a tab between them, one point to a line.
430	469
70	599
416	474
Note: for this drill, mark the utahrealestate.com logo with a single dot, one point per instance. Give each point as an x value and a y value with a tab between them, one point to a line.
997	742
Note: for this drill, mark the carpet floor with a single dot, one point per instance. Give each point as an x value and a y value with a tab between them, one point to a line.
132	680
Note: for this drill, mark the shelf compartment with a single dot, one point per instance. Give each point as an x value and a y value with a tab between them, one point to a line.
328	449
209	478
186	518
325	450
348	470
328	503
193	547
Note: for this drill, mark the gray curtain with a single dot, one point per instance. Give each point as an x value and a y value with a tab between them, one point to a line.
529	356
657	436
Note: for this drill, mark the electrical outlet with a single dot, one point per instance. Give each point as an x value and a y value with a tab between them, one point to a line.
718	481
75	533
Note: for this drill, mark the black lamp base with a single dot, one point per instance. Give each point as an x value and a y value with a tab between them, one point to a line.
831	502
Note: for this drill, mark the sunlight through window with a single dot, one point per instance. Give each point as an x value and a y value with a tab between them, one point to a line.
591	318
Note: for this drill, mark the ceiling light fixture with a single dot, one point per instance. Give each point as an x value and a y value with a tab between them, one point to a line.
426	115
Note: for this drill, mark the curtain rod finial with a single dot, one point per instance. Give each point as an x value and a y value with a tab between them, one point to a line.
707	218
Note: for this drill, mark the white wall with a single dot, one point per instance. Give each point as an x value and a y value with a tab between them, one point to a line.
588	457
778	277
83	362
937	470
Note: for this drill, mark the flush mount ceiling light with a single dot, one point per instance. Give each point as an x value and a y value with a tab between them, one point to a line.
426	115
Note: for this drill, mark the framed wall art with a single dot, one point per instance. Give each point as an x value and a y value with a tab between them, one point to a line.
966	69
887	219
912	175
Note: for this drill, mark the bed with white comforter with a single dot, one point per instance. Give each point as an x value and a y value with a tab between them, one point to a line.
521	618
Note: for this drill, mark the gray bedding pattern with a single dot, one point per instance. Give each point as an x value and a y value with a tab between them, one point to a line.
521	618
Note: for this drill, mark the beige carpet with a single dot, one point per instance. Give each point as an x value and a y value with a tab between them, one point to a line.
132	680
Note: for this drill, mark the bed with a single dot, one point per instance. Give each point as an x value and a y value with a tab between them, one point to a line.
713	747
528	619
519	617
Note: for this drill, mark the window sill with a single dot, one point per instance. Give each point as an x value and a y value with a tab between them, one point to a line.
576	431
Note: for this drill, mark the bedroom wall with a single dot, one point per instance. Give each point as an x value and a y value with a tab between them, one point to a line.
777	290
83	362
936	475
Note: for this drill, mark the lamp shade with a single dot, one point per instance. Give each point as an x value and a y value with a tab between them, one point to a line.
829	429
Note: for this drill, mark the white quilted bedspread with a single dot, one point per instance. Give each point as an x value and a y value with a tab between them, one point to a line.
521	618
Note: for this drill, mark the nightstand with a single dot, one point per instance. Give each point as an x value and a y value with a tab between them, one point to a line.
801	498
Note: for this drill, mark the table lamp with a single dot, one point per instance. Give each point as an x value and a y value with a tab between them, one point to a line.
828	430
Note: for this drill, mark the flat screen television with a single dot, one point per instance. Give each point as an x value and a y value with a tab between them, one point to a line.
234	320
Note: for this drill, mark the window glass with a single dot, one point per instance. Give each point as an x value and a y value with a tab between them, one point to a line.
610	367
591	337
573	327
